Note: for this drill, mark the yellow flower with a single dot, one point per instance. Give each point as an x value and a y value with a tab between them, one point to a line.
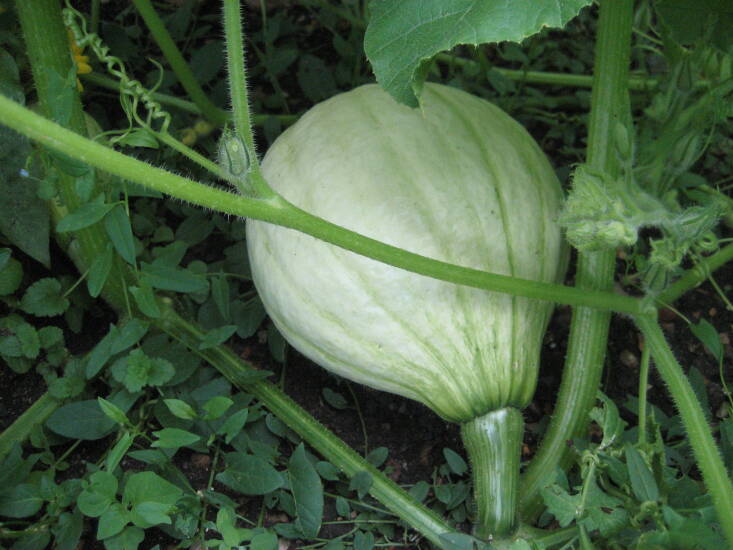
188	136
203	127
81	61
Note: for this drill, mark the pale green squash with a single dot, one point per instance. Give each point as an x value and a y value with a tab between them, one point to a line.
456	180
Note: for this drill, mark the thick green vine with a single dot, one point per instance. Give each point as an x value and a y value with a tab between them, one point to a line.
589	327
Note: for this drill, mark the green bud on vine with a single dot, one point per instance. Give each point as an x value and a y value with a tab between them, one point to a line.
666	254
233	155
693	223
234	159
655	279
596	214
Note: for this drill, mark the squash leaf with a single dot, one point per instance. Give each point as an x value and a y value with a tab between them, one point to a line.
403	35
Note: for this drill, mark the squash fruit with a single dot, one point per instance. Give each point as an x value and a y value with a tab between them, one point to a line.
456	180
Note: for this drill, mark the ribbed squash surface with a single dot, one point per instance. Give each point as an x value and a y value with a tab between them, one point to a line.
457	180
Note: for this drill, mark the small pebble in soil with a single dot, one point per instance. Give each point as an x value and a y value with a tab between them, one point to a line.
425	454
629	359
277	518
640	341
201	461
667	315
395	469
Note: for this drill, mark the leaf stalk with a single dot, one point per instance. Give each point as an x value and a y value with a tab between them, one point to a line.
589	327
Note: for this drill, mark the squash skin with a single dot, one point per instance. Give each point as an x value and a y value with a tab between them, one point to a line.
444	181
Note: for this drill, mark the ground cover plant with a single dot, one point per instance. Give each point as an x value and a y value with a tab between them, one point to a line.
159	409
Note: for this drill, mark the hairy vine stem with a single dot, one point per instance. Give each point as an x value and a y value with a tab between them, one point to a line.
240	99
698	430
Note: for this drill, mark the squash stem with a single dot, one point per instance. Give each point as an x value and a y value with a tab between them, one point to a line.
493	443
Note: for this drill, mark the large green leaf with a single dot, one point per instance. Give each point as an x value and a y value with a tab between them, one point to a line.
80	420
404	34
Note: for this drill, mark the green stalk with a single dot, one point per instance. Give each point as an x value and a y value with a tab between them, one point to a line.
643	383
94	19
237	71
278	211
313	432
238	93
22	426
696	275
494	446
589	328
697	428
639	83
178	64
191	154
